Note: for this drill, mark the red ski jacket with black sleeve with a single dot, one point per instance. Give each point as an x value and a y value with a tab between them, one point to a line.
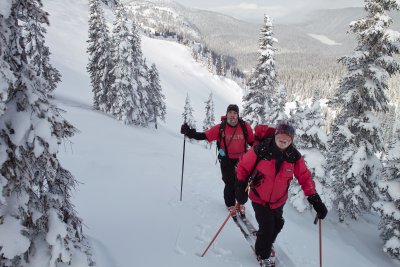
275	170
234	138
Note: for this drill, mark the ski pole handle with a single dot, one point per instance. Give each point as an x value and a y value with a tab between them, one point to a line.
316	219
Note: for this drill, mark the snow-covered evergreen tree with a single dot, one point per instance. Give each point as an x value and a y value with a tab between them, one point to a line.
156	98
35	208
6	75
110	3
296	195
388	120
263	82
209	119
99	55
356	133
187	114
123	100
210	62
136	45
311	141
389	202
143	114
220	66
38	54
277	104
132	91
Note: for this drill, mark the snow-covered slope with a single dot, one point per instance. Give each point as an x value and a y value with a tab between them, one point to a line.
130	177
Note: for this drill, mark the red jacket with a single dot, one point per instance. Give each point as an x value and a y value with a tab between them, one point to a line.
274	185
234	138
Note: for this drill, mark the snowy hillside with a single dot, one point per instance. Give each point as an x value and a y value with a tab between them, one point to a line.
130	177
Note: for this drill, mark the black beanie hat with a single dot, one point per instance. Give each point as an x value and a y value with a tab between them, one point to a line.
233	107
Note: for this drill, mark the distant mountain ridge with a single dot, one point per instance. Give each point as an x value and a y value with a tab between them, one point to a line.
227	35
307	52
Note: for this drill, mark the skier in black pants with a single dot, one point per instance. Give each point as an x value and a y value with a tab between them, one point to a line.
233	135
272	164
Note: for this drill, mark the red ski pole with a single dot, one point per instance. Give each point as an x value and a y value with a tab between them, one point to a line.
320	239
231	212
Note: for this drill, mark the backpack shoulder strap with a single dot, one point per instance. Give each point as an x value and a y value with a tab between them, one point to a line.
221	133
244	129
245	133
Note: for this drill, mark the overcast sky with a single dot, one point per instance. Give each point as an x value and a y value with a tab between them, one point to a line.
280	10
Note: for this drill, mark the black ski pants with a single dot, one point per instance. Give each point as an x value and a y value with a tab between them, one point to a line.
228	170
270	223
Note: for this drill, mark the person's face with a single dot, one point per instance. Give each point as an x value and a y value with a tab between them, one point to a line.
232	118
283	141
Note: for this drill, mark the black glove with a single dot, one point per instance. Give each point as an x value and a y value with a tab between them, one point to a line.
186	130
256	179
318	206
240	193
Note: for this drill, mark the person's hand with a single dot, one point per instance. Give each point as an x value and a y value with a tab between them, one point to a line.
256	179
240	192
185	129
318	206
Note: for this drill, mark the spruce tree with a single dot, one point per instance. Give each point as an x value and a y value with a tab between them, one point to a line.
220	66
187	114
38	54
311	140
210	62
35	207
356	135
6	75
99	55
143	85
141	75
263	82
277	104
156	99
388	204
209	119
123	100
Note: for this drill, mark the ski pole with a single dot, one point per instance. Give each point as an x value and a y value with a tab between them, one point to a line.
183	163
320	242
231	212
320	239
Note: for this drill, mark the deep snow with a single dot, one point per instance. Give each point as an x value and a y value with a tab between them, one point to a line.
130	177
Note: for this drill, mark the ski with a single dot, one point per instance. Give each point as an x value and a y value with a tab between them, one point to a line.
250	227
249	232
247	235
